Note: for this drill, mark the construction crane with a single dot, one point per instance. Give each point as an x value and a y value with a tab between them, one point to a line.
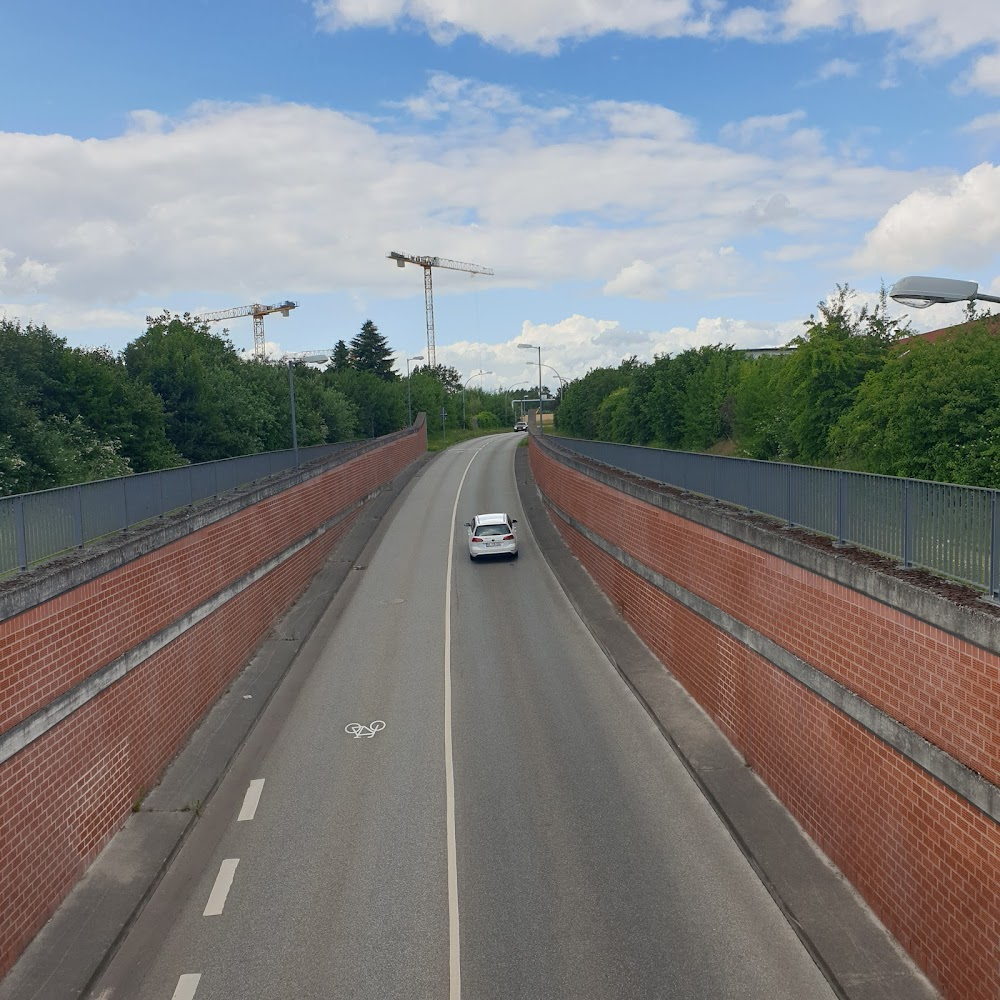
258	312
428	263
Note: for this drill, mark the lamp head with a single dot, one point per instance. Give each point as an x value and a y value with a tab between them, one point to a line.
919	291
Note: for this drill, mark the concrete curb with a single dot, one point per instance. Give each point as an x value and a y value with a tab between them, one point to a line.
856	954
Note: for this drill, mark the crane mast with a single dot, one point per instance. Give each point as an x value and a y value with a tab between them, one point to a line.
258	312
428	264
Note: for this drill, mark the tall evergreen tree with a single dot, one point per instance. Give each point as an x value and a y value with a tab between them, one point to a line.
370	353
341	359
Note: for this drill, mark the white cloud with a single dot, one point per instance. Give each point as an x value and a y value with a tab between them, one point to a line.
231	204
837	68
919	30
521	25
952	224
575	345
750	130
984	123
750	23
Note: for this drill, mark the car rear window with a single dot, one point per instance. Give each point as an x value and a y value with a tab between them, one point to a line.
492	529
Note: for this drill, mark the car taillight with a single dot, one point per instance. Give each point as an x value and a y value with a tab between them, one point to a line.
508	538
475	539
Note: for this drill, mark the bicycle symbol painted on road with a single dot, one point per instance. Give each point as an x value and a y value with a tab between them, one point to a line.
358	729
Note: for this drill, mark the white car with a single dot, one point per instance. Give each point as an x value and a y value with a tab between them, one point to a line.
492	535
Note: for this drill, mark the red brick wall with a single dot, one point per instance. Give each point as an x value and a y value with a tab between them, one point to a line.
926	861
68	792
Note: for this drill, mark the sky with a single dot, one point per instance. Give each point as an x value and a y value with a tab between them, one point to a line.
641	176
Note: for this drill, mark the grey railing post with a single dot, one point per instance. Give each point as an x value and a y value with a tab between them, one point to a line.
841	503
788	495
20	538
78	517
994	538
907	541
125	527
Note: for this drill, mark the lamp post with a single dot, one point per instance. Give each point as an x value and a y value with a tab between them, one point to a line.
919	291
292	360
562	381
533	347
467	381
513	401
409	411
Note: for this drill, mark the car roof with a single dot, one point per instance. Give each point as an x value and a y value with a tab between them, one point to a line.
491	518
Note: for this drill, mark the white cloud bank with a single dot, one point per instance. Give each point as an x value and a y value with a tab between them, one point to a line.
923	30
954	223
235	203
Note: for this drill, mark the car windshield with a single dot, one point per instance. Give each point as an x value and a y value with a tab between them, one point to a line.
493	529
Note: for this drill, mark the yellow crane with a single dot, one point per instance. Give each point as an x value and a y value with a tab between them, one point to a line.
428	263
258	312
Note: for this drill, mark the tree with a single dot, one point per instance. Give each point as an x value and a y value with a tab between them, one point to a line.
212	410
448	377
370	353
380	406
931	412
116	407
828	365
341	357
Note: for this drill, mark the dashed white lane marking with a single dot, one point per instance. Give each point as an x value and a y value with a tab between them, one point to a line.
223	883
251	800
186	986
454	956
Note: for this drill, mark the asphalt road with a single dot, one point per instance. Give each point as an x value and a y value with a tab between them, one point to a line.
518	827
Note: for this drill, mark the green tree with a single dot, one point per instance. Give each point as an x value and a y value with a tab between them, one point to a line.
212	410
341	357
370	353
828	365
116	407
380	406
449	377
931	412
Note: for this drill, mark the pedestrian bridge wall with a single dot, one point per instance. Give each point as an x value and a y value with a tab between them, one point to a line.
109	658
866	698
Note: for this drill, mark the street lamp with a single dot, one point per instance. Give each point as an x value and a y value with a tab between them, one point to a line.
467	381
551	369
513	401
292	360
409	411
533	347
919	292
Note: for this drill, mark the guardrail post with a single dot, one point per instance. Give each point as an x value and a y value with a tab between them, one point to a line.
994	538
125	526
20	538
907	541
841	505
78	517
788	496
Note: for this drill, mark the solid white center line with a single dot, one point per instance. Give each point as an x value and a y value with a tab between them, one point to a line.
223	883
454	956
251	800
186	986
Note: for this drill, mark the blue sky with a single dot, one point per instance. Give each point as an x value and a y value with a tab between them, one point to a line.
642	177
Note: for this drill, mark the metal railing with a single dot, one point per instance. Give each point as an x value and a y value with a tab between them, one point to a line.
950	530
37	526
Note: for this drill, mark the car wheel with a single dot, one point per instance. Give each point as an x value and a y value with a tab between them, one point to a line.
515	555
472	558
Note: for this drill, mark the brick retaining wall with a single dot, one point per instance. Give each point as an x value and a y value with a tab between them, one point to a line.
108	663
875	721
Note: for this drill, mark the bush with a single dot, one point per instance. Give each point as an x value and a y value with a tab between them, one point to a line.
486	421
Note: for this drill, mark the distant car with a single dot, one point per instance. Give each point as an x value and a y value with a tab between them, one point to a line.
492	535
520	426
